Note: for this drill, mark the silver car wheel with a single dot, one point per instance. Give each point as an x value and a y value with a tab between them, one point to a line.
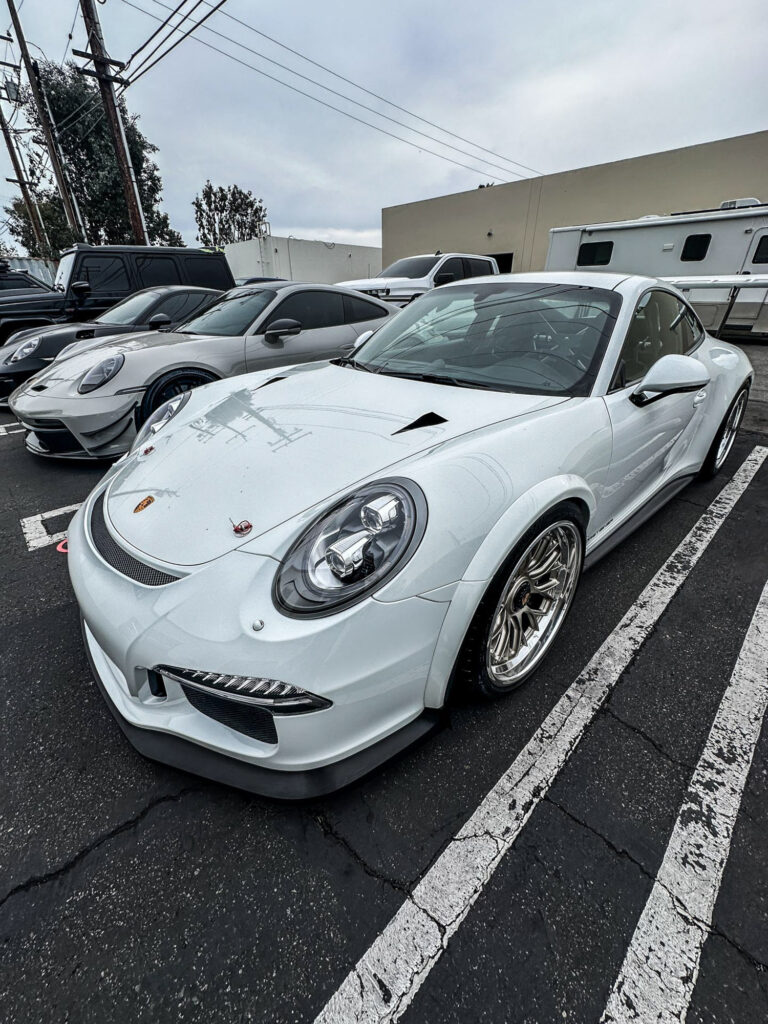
731	429
534	603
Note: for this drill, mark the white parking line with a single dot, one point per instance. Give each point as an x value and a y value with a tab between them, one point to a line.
11	428
662	963
36	534
385	980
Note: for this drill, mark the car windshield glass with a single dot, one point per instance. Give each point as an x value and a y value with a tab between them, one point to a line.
132	310
414	266
232	315
63	272
536	338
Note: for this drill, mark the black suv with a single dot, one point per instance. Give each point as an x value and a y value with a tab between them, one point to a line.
92	278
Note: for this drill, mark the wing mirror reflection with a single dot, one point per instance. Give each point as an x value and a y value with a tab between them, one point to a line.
282	329
159	321
80	289
670	375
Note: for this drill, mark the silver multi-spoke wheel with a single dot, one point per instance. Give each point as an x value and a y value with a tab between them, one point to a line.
534	603
731	429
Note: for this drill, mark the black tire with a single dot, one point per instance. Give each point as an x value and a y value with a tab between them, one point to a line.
471	677
715	458
176	382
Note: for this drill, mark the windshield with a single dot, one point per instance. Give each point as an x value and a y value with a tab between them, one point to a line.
63	272
232	315
414	266
130	311
533	338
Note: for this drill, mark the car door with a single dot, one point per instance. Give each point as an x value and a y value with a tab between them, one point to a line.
108	277
649	441
324	332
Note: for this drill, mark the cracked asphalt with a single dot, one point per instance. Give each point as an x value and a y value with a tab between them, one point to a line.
133	892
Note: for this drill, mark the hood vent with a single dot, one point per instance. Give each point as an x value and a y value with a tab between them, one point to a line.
272	380
429	419
87	333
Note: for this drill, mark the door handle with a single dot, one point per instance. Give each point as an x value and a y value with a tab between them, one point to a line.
700	397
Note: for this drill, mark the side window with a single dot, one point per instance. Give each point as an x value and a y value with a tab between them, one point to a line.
311	309
19	281
476	268
181	305
662	325
154	270
207	272
695	248
761	252
356	310
453	266
103	273
594	254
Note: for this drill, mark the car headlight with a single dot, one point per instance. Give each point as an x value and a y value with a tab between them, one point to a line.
25	350
352	549
99	375
159	418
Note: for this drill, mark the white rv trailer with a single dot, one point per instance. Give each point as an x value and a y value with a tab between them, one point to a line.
731	240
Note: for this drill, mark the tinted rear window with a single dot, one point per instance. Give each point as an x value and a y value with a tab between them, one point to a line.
154	270
207	272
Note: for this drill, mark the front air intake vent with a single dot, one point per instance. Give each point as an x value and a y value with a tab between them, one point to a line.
119	559
248	719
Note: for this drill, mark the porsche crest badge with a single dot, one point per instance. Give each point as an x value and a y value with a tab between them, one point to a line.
144	503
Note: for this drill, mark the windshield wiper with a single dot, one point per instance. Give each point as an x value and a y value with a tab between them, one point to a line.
437	378
349	361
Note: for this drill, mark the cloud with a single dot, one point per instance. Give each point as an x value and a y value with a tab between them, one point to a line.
555	85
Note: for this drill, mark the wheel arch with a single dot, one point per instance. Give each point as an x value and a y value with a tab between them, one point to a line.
489	558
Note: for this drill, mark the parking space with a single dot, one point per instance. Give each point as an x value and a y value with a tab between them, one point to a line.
510	869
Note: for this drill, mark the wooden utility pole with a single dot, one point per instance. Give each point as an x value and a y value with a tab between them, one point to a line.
33	210
71	209
102	63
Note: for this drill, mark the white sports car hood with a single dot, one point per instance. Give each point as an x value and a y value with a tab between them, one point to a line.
267	448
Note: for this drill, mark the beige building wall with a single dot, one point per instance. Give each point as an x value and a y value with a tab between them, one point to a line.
516	217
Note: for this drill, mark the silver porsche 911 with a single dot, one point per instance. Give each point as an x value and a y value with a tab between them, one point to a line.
90	402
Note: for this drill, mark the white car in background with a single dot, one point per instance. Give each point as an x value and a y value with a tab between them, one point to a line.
90	402
405	279
283	579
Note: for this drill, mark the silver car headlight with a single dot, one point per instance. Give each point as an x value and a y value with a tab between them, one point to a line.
352	549
98	375
159	418
25	350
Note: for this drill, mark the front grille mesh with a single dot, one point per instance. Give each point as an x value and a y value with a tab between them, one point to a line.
119	559
252	721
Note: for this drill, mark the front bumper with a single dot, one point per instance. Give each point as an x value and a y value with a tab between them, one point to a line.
371	662
73	428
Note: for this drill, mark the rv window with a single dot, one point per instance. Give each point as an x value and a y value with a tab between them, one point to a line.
594	254
695	248
761	252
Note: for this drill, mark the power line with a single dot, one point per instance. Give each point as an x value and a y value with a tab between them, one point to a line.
330	106
362	88
148	67
357	103
69	34
155	33
173	28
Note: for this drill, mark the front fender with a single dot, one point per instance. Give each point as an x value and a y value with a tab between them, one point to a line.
490	556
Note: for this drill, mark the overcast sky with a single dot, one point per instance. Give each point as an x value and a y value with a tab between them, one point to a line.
555	84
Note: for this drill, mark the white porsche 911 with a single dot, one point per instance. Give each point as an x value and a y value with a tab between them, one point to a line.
282	580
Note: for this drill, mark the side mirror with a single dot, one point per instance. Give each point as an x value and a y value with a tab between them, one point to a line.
80	289
362	338
444	278
282	329
670	375
158	321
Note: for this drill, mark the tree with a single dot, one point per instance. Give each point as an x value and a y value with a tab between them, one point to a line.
228	214
87	146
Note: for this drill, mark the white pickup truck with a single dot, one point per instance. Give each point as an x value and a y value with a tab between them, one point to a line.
404	279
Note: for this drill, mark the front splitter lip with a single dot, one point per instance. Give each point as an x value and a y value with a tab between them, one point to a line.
277	784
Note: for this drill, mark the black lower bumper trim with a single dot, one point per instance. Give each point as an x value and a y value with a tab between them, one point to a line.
280	785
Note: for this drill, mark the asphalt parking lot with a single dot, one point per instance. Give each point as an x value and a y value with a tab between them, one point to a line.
133	892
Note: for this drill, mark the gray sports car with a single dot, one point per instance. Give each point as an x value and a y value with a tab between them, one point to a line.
89	404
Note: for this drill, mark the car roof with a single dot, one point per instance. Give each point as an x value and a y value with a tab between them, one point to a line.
584	278
439	255
299	286
159	250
